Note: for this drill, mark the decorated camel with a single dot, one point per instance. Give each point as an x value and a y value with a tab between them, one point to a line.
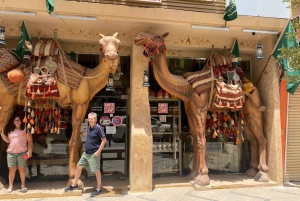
94	80
196	103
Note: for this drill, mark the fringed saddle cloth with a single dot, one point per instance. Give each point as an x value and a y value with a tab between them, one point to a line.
9	60
74	72
42	86
228	96
200	81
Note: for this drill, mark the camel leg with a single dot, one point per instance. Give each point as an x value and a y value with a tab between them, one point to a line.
262	149
262	143
254	154
202	179
5	115
192	176
78	115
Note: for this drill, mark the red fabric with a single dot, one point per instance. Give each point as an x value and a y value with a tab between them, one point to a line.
44	89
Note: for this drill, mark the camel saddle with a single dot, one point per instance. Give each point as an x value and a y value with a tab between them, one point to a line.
9	60
42	86
228	96
45	48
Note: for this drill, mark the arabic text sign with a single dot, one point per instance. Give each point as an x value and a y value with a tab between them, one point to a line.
109	108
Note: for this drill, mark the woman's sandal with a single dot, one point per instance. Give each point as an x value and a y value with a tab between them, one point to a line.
24	189
9	190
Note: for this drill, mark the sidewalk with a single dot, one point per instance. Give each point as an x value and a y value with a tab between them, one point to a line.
121	187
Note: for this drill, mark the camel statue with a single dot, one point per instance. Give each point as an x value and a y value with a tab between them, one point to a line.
196	106
96	79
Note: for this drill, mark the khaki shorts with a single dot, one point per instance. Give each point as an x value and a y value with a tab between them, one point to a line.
14	160
90	160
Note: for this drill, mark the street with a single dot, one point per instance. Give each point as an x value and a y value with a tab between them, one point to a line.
274	193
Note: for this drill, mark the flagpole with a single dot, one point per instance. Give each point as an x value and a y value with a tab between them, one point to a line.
233	44
282	32
235	40
27	30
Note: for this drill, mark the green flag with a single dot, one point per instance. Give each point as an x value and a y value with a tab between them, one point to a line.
230	11
284	42
50	6
235	50
23	36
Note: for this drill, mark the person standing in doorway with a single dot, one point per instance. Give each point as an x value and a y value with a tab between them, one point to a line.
19	149
95	141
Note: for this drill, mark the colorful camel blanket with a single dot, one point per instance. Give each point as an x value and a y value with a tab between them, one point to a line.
74	72
200	81
13	88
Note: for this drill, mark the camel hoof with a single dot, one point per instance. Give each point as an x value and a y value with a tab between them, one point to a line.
251	172
202	180
261	177
263	168
79	182
192	176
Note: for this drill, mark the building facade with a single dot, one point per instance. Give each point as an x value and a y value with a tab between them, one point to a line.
128	18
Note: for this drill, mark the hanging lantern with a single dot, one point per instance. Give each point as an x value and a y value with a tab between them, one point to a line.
2	36
259	51
110	84
146	79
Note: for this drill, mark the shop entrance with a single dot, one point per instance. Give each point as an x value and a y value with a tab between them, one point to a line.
112	115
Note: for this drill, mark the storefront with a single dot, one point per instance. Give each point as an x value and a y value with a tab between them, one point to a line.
150	135
292	152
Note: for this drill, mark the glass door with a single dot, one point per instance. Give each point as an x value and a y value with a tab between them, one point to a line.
112	115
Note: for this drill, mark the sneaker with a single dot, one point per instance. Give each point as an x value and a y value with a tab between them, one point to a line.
95	193
71	188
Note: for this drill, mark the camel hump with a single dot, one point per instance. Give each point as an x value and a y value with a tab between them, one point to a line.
262	108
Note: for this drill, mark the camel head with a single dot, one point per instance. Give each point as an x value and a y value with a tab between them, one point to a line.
154	43
109	47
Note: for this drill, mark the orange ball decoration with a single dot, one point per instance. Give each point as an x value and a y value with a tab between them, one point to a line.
15	75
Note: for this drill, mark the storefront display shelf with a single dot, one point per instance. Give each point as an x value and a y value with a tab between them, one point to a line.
166	126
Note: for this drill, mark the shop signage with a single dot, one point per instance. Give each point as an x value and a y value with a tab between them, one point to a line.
97	108
162	108
109	108
104	120
117	121
163	118
111	130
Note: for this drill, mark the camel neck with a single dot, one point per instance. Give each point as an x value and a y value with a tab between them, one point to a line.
96	76
174	84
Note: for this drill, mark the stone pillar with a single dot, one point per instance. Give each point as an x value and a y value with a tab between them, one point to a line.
140	153
268	87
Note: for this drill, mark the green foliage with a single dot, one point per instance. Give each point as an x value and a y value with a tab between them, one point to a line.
294	3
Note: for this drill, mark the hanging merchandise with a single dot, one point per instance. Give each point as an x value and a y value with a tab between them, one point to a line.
42	108
224	124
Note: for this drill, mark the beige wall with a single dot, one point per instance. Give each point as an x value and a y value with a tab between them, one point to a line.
268	87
